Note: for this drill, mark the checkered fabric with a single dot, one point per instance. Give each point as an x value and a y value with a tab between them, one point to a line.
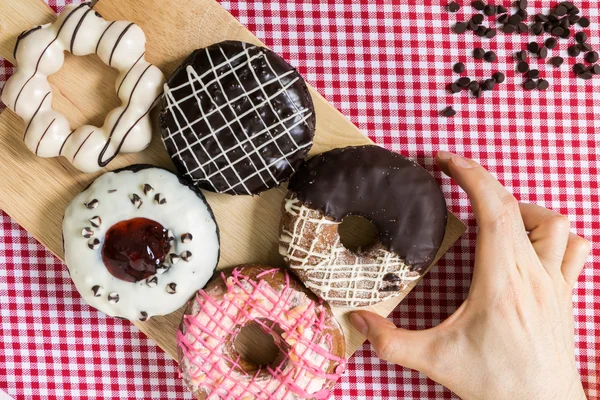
385	64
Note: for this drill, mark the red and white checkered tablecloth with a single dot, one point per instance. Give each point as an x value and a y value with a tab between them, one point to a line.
385	65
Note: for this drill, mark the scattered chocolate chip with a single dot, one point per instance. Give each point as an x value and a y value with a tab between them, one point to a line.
573	51
533	73
579	68
584	22
152	282
537	28
522	27
488	84
478	53
489	10
147	189
557	61
503	18
551	43
92	204
522	4
490	56
463	82
585	47
477	19
566	34
523	67
481	30
533	47
565	22
509	28
542	52
499	77
473	86
136	200
96	221
391	277
449	112
560	10
186	256
94	243
454	88
161	269
160	198
459	68
543	84
87	232
501	9
541	18
453	7
113	298
472	26
573	19
595	69
186	237
523	14
172	288
591	57
460	27
112	190
174	258
143	316
558	31
170	236
391	288
515	19
586	75
521	55
97	290
490	33
478	5
477	93
529	84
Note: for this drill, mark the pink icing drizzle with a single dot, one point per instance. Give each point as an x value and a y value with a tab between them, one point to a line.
247	301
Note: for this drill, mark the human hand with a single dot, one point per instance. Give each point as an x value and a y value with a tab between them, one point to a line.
513	336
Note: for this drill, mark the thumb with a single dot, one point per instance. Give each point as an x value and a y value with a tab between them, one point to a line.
400	346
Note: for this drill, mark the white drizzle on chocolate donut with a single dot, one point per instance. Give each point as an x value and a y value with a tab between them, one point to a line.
119	44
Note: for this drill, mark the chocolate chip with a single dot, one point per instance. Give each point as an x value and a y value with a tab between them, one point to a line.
521	55
172	288
542	52
551	43
537	28
501	9
579	68
541	18
490	56
595	69
477	93
558	31
533	73
477	18
499	77
94	243
96	221
523	67
522	4
586	75
161	269
147	189
478	53
566	33
113	298
574	50
533	47
143	316
591	57
136	200
573	19
560	10
548	27
478	5
553	19
543	84
460	27
112	190
481	30
565	22
584	22
488	84
97	290
523	14
473	86
453	7
186	256
557	61
574	10
92	204
454	88
585	47
472	26
489	10
152	282
509	28
515	19
490	33
160	198
503	18
568	4
186	237
174	258
529	84
463	82
87	232
459	68
522	27
448	112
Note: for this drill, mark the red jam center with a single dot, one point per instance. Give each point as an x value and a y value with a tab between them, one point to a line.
134	248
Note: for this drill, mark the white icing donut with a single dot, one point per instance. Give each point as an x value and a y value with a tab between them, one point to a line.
40	53
118	198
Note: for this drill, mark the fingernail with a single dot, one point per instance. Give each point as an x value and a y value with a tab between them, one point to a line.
461	162
444	155
359	323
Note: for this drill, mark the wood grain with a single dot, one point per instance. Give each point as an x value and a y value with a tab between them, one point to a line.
36	191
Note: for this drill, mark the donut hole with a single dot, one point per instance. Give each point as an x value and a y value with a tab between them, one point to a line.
357	233
256	348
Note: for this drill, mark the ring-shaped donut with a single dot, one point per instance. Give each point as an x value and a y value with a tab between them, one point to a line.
39	53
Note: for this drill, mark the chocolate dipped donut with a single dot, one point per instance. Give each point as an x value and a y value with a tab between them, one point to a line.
310	342
139	242
39	53
236	118
402	200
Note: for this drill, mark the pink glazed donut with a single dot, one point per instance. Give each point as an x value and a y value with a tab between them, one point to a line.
309	340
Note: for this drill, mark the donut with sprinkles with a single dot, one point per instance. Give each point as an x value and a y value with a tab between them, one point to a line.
398	196
139	242
39	53
309	342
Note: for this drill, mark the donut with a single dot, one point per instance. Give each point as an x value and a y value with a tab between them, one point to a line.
398	196
236	118
39	53
310	343
139	242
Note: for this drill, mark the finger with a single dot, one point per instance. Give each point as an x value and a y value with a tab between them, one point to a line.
399	346
576	255
549	233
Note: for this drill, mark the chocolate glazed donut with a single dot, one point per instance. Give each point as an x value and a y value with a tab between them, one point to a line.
402	200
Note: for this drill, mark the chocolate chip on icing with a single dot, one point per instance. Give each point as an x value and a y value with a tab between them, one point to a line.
97	290
96	221
143	316
161	269
172	288
186	256
92	204
160	198
113	298
186	237
94	243
171	236
87	232
112	190
174	258
152	282
147	189
136	200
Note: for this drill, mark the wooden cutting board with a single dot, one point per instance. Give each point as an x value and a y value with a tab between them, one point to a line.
35	191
